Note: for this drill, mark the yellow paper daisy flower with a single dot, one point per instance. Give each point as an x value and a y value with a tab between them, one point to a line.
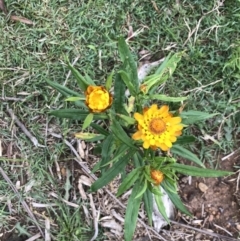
157	127
157	176
98	99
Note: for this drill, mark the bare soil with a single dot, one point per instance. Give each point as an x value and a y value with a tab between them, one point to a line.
214	202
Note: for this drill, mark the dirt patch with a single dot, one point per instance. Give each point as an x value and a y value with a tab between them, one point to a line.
214	201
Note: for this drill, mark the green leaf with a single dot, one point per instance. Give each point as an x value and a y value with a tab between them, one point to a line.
183	152
89	137
109	81
128	61
129	120
148	205
118	131
160	205
192	116
128	181
66	92
164	65
167	98
82	82
76	114
165	71
120	151
144	188
198	172
132	212
183	140
112	172
75	98
100	129
174	197
107	150
63	89
119	95
87	121
128	82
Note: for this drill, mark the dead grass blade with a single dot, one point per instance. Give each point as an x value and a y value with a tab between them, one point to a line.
21	19
3	7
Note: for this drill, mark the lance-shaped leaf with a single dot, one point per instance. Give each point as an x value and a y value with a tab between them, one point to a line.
160	205
118	131
128	82
128	61
192	116
148	205
100	129
129	180
129	120
165	70
183	152
89	137
67	92
120	151
183	140
174	197
76	114
119	95
109	81
74	98
198	172
107	150
143	190
132	212
112	172
82	82
87	121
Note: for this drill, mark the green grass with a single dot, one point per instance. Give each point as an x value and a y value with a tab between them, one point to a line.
89	29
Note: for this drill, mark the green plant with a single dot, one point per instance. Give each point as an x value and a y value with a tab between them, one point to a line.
136	132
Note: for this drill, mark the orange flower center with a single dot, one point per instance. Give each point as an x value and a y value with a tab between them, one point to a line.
157	126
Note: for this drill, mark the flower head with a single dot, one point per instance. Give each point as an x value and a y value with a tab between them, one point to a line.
157	176
98	99
157	127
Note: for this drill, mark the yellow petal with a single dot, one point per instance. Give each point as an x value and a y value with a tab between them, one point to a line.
137	135
175	120
138	116
168	143
146	144
173	138
163	109
163	147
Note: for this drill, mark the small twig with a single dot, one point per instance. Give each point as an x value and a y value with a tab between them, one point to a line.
28	210
201	87
229	155
205	232
47	230
95	218
238	179
65	201
26	132
222	229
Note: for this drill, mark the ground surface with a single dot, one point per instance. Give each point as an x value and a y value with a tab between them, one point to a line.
46	176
